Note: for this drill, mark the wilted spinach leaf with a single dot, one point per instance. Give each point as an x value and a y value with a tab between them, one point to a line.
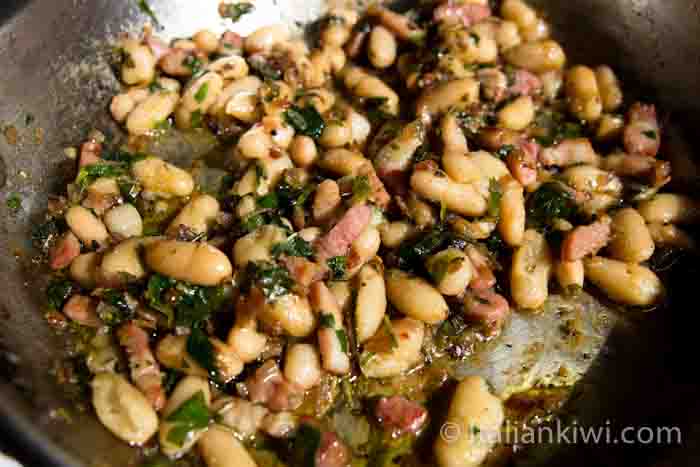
306	121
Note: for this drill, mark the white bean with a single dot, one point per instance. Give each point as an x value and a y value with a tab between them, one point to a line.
438	99
511	221
197	215
670	208
370	304
538	56
476	417
303	151
123	409
162	178
663	235
363	249
86	226
552	83
289	313
518	114
382	47
330	334
609	87
395	233
519	12
337	133
239	99
256	245
451	270
569	273
206	41
603	189
302	366
363	85
415	297
631	241
171	352
85	269
265	38
584	97
230	68
219	447
461	198
384	357
625	283
187	388
247	343
124	221
123	262
507	35
139	65
153	110
197	263
529	273
198	98
397	154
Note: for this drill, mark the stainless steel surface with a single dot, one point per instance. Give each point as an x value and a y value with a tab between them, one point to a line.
52	67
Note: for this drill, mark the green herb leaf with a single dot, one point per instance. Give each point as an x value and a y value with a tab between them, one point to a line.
122	156
146	8
547	203
326	320
390	331
343	338
475	37
306	121
234	11
193	63
273	280
90	173
294	246
361	189
58	292
196	119
155	87
269	201
119	310
200	349
495	195
14	202
192	415
201	93
338	266
651	134
306	443
505	150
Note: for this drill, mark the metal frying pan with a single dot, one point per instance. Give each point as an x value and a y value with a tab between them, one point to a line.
55	84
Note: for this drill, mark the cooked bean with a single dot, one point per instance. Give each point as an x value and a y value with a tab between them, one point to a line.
451	271
366	86
171	352
197	263
631	241
335	134
363	249
569	273
538	56
153	110
121	106
582	90
198	98
122	408
139	65
436	100
519	12
343	294
415	297
247	343
397	154
219	447
303	151
472	408
663	235
265	38
609	127
342	161
472	46
88	228
85	268
602	189
197	215
206	41
511	221
381	48
552	83
256	245
529	273
625	283
395	233
670	208
401	25
392	355
289	313
239	99
124	221
461	198
370	304
570	152
123	262
302	366
326	201
507	35
187	388
333	352
538	31
232	67
162	178
609	87
518	114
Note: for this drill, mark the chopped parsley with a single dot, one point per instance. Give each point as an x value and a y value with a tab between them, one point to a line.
269	201
274	281
306	444
294	246
475	37
548	203
200	349
306	121
495	195
343	339
361	189
90	173
14	202
193	63
119	309
651	134
202	92
146	8
196	119
192	415
58	292
505	150
234	11
338	266
326	320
